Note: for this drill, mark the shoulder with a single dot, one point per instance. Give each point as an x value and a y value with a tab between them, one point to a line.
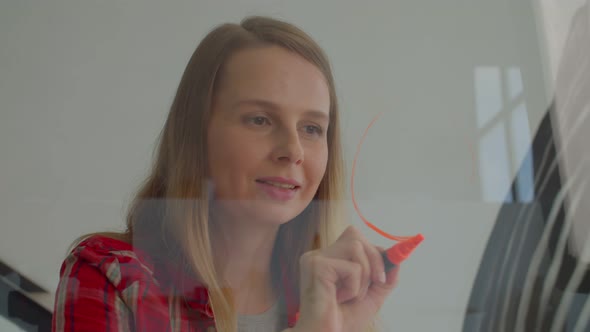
106	283
116	260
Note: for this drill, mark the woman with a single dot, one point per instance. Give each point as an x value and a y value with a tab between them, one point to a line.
234	227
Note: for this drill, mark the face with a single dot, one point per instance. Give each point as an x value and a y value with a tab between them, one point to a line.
267	138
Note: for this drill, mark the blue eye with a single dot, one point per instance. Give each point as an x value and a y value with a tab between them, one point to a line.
258	120
313	130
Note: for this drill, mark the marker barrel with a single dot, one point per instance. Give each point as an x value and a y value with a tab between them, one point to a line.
388	264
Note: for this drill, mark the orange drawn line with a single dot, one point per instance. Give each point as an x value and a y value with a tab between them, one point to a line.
354	202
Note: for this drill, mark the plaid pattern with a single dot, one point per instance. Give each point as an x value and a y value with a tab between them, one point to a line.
107	285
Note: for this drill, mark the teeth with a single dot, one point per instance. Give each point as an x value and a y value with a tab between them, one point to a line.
280	185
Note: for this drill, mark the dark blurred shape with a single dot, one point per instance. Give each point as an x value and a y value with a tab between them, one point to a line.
514	289
17	307
23	308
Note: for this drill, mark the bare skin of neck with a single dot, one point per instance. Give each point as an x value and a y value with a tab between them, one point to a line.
243	252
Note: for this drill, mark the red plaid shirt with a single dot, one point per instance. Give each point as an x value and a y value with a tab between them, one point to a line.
108	285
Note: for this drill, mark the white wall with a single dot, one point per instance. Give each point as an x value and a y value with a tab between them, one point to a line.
85	87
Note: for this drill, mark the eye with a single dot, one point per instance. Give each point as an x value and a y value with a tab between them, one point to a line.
314	130
258	120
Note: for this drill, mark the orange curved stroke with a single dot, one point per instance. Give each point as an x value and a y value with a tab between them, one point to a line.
358	211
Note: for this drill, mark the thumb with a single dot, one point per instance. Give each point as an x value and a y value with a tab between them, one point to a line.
378	292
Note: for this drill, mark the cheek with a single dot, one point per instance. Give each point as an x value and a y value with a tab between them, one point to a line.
233	154
222	153
318	164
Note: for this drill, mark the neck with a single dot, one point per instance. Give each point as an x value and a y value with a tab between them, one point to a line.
243	252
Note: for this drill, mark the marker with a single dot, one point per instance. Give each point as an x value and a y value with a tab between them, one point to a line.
395	255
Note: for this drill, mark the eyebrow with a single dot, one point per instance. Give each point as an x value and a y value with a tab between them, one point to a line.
270	105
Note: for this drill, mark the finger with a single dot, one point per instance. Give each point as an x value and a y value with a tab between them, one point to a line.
392	277
379	292
328	277
350	233
376	262
373	254
349	284
353	250
360	255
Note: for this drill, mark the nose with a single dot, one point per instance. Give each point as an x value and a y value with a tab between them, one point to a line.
289	149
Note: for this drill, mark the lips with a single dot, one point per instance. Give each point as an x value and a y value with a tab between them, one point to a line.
278	185
280	182
280	189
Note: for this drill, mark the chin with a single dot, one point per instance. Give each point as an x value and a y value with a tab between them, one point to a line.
277	214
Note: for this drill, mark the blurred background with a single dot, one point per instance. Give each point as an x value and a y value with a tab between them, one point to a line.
85	87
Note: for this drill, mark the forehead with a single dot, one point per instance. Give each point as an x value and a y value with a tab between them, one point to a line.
274	74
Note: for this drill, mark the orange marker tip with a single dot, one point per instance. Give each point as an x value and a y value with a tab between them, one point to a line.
401	251
417	239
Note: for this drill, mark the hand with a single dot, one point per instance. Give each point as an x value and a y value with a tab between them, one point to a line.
343	286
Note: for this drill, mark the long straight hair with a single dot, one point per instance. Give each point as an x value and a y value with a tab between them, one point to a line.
171	207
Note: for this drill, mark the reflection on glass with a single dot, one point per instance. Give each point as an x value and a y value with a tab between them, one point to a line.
504	134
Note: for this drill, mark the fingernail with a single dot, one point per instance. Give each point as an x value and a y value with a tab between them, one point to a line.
382	277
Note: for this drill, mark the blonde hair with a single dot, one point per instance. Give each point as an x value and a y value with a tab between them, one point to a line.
171	208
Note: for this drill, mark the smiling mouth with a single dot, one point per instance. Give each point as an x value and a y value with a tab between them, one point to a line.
279	184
